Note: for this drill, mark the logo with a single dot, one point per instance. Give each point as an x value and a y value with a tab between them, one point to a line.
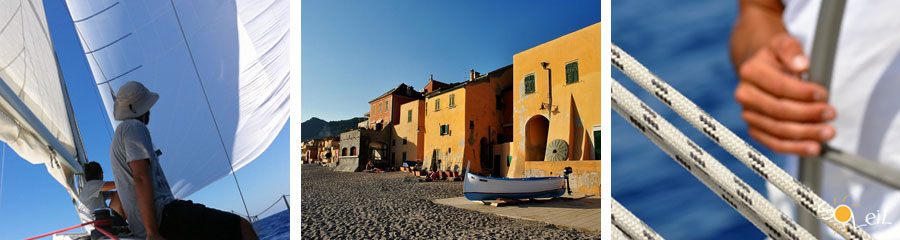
845	216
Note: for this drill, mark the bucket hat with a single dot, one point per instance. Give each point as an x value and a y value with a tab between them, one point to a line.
133	100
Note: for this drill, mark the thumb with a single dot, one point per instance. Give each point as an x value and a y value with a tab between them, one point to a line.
790	53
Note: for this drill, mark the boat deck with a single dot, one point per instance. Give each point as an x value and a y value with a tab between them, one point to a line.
578	213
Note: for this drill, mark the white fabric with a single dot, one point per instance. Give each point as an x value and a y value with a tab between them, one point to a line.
865	78
28	66
241	52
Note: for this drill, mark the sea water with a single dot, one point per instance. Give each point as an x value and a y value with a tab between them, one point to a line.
686	44
274	227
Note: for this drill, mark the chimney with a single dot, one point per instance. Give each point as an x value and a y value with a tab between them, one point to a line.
471	74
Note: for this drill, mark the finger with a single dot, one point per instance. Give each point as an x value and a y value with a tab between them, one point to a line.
801	147
790	53
789	130
754	99
770	79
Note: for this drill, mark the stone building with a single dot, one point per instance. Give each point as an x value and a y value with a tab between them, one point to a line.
359	146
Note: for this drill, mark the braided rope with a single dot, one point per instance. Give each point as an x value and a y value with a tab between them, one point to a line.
738	194
631	226
618	234
760	164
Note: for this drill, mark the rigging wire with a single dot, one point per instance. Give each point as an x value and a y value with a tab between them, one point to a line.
96	93
209	106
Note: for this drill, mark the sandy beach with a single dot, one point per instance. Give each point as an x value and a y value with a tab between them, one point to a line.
338	205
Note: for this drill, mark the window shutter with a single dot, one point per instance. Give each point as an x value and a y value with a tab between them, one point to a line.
529	84
572	72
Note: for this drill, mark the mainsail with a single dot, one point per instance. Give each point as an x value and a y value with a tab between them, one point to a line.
35	117
221	69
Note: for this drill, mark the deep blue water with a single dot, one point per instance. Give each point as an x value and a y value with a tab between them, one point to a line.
686	44
274	227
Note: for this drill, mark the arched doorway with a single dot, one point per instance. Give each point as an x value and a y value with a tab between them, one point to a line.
536	138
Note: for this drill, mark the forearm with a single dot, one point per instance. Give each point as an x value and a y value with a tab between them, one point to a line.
146	203
758	21
108	186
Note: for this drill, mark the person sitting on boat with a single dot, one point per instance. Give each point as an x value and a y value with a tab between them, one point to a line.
769	47
95	191
153	211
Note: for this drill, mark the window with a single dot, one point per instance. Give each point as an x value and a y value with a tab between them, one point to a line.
529	84
344	152
409	116
404	156
387	105
379	107
404	141
437	104
393	142
445	129
452	101
352	151
498	100
572	72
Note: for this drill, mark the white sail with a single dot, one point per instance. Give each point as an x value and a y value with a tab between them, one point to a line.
33	112
235	54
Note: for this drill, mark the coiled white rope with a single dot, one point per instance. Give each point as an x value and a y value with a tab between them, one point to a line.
733	144
747	201
629	225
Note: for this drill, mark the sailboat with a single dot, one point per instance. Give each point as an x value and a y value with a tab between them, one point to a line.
220	67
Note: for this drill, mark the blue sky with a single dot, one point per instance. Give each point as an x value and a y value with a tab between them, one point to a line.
353	51
32	202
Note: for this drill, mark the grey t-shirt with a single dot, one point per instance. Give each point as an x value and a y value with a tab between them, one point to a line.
91	196
131	143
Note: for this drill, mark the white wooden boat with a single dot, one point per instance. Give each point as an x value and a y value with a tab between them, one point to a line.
491	188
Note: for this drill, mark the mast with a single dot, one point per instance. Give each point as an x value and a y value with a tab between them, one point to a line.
80	156
828	28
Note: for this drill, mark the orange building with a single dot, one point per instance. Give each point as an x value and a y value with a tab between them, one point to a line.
384	109
464	121
557	109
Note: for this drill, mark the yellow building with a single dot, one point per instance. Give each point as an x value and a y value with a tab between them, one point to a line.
557	109
464	121
329	149
408	137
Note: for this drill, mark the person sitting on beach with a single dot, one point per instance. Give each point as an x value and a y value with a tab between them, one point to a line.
95	191
370	165
146	197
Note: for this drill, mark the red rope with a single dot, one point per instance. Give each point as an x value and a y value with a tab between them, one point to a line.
110	236
61	230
